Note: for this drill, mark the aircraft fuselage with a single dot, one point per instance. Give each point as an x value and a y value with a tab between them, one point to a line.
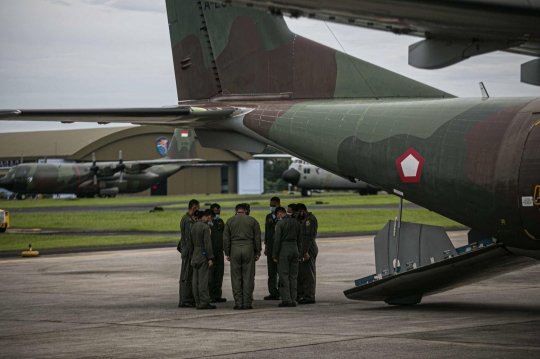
472	160
51	178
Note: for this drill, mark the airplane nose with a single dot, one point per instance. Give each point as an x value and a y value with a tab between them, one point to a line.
291	176
6	183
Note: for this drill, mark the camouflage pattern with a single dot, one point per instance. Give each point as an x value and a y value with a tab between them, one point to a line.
43	178
220	49
480	158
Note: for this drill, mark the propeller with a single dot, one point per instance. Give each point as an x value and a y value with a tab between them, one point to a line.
94	168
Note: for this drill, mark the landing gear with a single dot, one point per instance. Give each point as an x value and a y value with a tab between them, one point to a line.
21	196
363	192
306	192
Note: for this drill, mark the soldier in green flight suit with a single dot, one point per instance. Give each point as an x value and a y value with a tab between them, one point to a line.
287	242
200	249
269	230
218	269
242	247
186	273
308	254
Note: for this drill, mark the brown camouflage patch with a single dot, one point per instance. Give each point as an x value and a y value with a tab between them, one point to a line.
189	69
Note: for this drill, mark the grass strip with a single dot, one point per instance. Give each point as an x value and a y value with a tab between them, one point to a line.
330	198
350	220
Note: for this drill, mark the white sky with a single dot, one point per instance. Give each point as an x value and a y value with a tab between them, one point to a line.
116	53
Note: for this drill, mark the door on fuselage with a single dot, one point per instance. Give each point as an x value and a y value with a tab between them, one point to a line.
19	185
529	182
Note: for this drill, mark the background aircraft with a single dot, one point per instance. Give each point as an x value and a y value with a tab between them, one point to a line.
310	177
454	30
245	81
104	179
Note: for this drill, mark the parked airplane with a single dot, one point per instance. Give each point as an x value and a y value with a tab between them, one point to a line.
454	30
104	179
309	177
245	81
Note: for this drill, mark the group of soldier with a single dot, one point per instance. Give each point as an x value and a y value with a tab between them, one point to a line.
206	241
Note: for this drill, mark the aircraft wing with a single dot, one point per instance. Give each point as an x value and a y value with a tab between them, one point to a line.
454	29
106	169
172	116
270	155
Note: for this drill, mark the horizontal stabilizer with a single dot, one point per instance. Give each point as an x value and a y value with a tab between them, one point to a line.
173	116
411	281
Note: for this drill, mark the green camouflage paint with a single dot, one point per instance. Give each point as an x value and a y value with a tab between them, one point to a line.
361	121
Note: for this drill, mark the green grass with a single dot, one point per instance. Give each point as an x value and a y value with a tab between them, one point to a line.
16	242
329	220
228	200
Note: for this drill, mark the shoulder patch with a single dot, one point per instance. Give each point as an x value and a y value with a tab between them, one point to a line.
307	223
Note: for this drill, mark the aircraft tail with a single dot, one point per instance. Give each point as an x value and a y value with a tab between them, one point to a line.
223	50
183	145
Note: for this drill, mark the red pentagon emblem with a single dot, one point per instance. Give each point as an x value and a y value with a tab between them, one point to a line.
409	166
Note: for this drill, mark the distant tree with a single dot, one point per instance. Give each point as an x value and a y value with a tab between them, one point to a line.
273	170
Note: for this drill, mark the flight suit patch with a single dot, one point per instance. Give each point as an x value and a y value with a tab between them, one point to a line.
307	223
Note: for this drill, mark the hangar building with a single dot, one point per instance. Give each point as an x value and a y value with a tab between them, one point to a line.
136	143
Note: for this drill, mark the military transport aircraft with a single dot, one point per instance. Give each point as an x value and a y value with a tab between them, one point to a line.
104	179
454	30
245	81
310	177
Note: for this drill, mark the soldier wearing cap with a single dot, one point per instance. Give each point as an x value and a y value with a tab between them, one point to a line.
202	255
308	254
287	242
218	269
186	273
242	247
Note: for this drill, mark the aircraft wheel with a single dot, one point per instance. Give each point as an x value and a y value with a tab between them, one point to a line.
306	192
373	191
21	196
3	230
363	192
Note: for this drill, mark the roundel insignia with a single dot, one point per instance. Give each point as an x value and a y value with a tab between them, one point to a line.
162	145
409	166
29	179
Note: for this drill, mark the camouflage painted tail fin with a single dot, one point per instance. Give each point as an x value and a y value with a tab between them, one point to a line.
221	50
182	145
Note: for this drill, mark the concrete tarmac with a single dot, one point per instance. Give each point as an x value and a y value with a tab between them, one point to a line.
124	304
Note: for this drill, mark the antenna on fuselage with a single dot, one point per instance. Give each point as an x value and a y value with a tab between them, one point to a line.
483	90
